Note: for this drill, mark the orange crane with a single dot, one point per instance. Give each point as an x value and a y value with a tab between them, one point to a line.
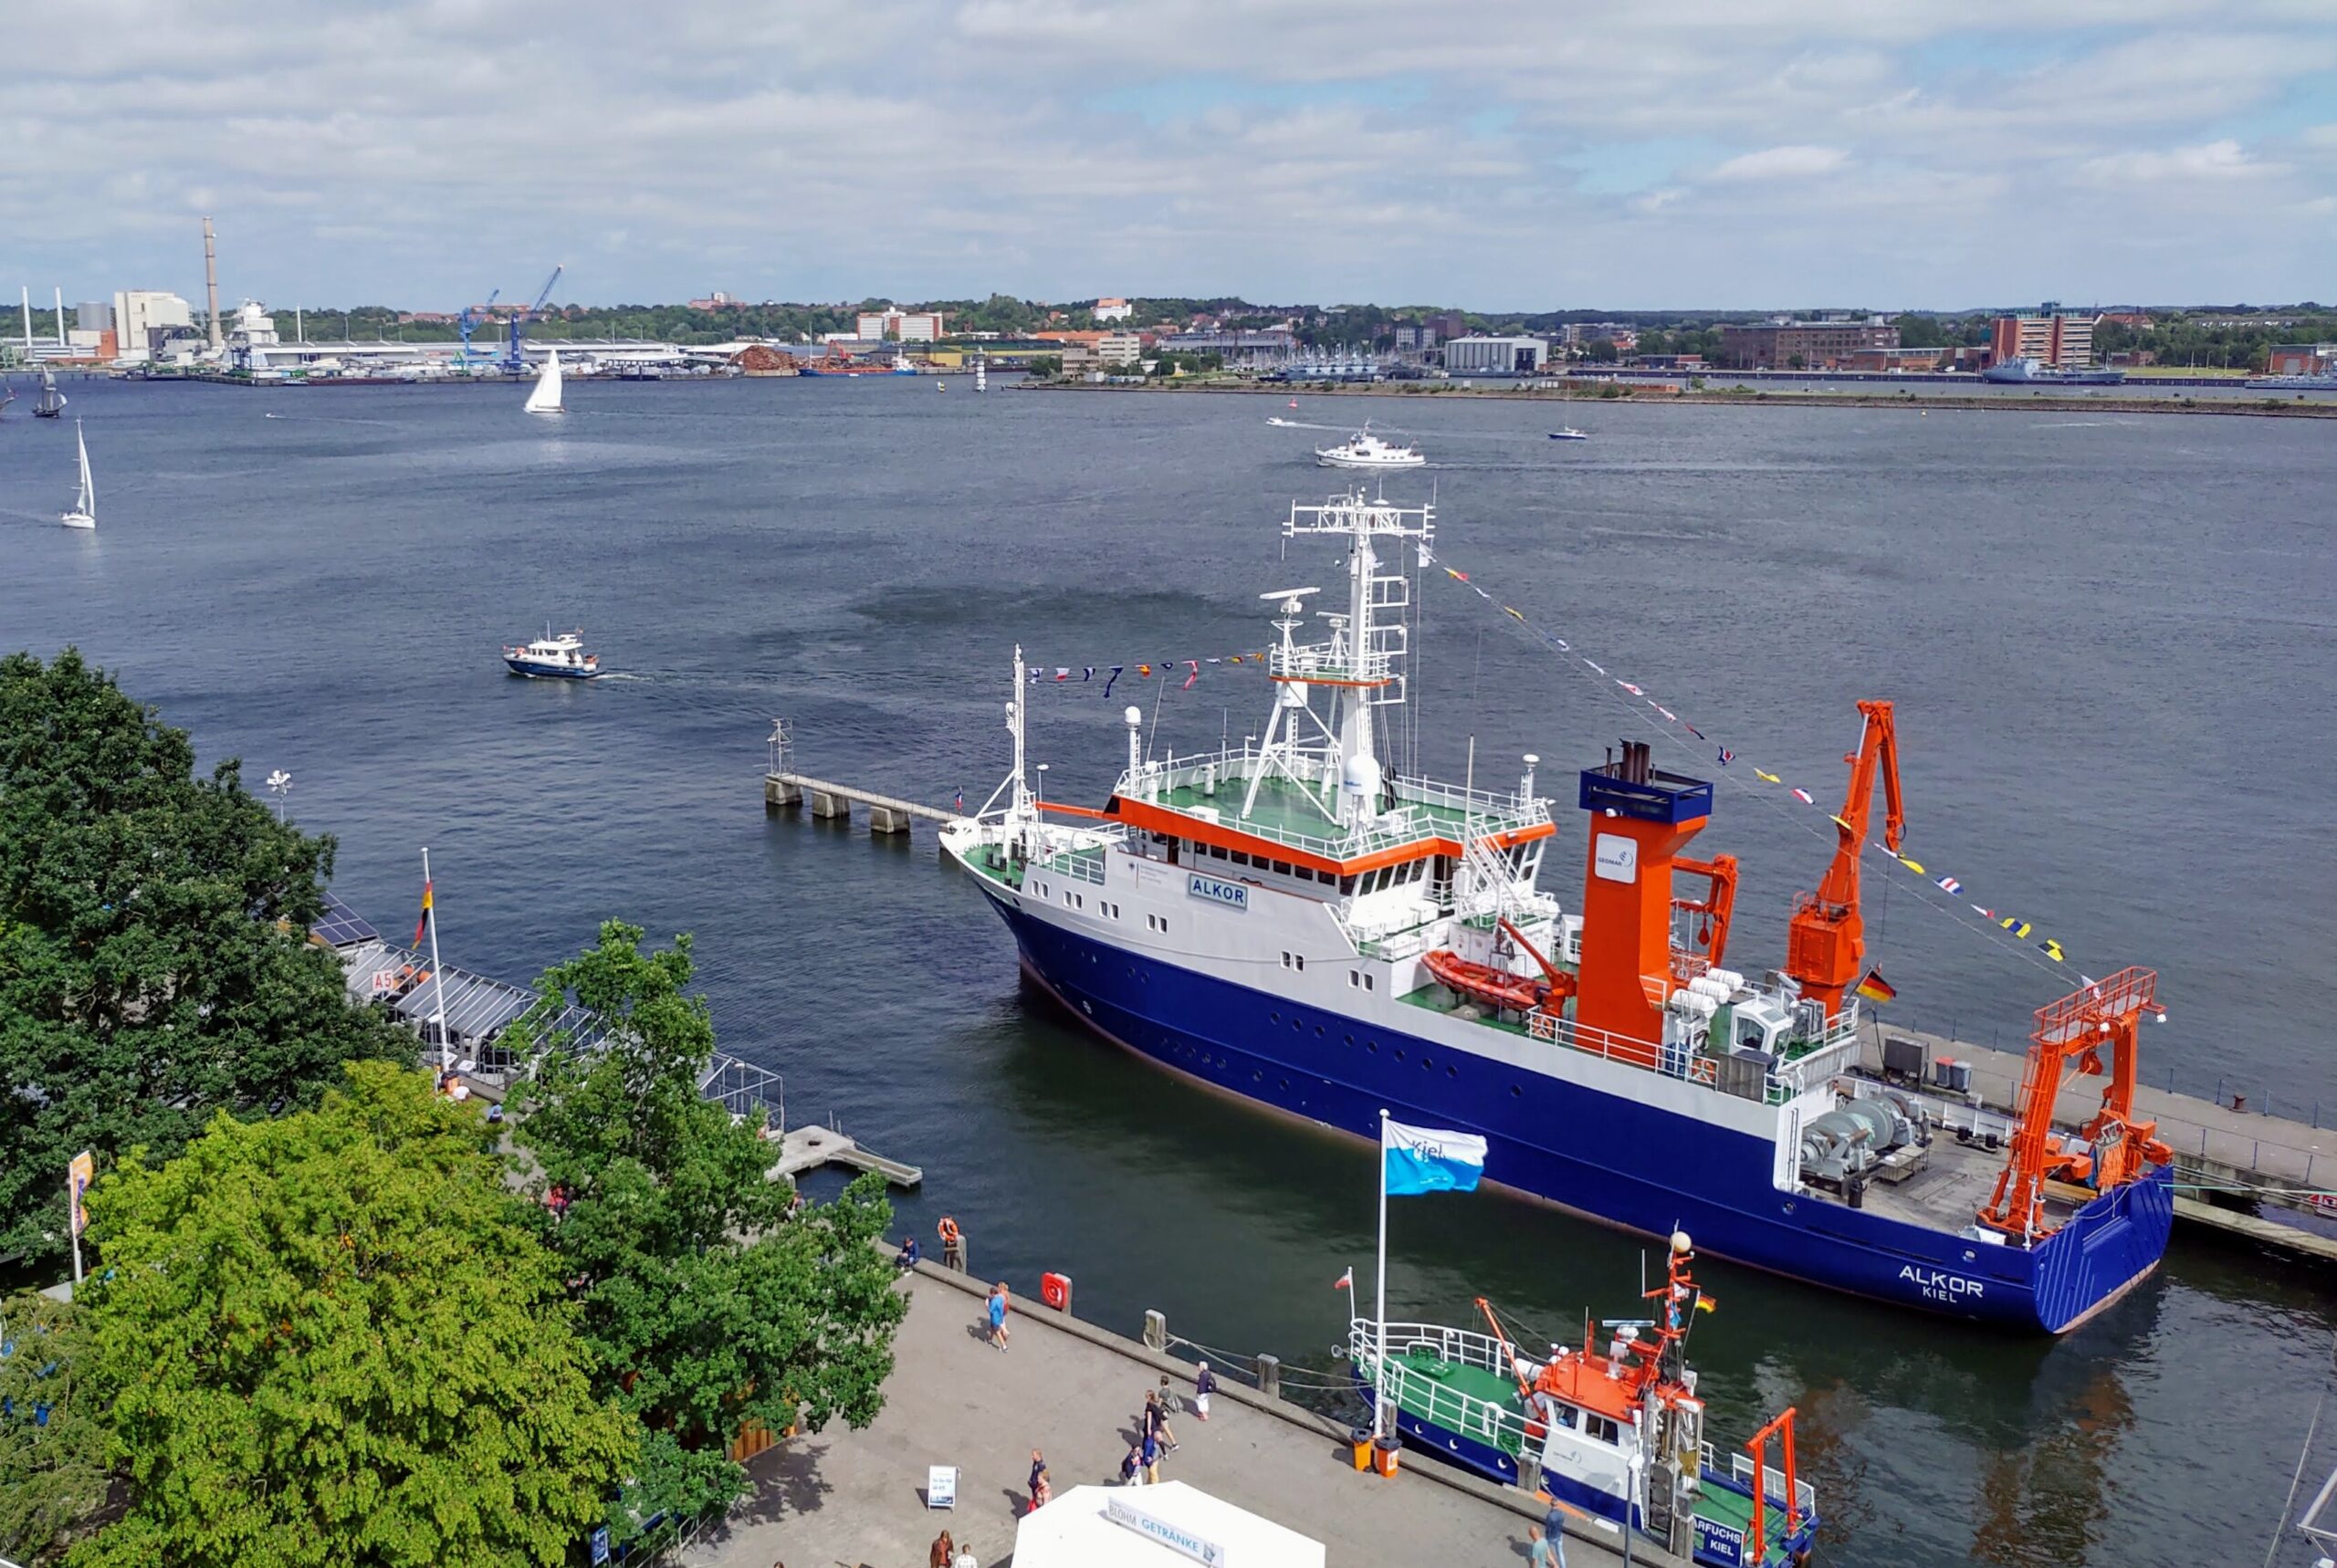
2112	1148
1714	908
1826	944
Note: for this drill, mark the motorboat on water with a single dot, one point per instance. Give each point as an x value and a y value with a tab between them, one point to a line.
1364	450
1618	1431
84	514
550	657
1568	432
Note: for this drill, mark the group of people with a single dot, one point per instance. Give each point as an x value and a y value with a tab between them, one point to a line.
1142	1465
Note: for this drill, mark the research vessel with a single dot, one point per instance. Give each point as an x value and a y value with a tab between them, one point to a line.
2034	372
1294	922
1617	1432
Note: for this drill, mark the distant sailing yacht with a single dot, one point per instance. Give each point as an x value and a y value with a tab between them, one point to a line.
84	514
545	396
51	402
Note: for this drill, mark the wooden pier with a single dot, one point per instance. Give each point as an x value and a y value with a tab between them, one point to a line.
784	790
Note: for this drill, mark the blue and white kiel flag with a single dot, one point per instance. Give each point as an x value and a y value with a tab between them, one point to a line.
1426	1159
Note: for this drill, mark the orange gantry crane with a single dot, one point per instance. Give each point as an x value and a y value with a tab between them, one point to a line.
2112	1148
1826	944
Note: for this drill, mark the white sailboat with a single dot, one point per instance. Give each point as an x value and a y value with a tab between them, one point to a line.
84	514
545	396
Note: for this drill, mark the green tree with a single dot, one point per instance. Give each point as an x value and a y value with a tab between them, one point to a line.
1043	367
332	1339
705	1302
53	1469
154	967
1602	351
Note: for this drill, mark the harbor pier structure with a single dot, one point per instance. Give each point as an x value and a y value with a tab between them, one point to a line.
1075	1392
786	789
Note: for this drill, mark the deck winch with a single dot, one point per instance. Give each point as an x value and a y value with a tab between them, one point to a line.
1851	1141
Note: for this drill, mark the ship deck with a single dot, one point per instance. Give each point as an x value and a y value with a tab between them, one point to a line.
1297	816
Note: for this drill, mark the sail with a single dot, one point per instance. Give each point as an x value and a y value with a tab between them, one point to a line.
88	504
51	402
545	398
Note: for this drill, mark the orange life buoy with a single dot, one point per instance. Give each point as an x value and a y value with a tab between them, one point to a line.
1055	1290
949	1228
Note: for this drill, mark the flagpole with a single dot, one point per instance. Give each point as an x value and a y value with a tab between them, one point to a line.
1379	1297
437	973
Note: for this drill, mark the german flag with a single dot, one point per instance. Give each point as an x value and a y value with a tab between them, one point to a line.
421	926
1875	988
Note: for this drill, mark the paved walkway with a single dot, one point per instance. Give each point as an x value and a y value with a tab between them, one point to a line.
843	1499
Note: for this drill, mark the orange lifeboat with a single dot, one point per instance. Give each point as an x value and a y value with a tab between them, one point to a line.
1483	983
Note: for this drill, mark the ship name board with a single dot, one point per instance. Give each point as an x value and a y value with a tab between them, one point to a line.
1217	890
1938	1285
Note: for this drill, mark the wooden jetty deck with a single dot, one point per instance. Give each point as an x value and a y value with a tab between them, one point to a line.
1073	1391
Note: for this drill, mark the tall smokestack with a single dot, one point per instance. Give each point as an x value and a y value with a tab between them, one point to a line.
25	296
211	283
61	319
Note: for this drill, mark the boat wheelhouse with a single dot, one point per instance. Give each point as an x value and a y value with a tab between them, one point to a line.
1300	922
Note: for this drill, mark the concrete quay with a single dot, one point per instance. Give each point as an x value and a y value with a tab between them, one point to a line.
841	1498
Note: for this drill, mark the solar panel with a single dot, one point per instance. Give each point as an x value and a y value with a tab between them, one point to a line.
343	926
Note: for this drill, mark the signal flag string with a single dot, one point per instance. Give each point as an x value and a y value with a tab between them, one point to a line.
2014	928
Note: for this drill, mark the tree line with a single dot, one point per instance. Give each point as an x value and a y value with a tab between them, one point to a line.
332	1314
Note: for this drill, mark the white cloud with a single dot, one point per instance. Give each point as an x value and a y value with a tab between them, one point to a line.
1745	151
1782	163
2212	161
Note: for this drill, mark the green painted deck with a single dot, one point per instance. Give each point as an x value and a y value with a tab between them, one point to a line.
1288	814
1433	1388
1733	1509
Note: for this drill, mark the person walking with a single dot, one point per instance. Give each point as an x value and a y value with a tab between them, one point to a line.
998	1315
1204	1385
1132	1467
941	1553
1155	1419
1545	1548
1042	1487
1150	1449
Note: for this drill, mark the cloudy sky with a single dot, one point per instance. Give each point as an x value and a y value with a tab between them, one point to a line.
1527	154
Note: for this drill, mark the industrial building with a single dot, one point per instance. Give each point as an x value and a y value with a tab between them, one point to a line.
143	318
1791	345
1495	355
902	326
2054	338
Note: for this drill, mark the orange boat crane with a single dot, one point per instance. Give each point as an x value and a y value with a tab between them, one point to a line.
1826	944
1715	909
2078	1030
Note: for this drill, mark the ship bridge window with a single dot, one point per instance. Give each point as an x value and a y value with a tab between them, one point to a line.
1601	1429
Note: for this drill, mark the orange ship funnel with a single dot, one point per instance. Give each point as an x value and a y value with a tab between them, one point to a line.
1640	817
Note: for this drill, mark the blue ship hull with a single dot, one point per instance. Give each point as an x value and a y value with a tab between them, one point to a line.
1598	1154
550	671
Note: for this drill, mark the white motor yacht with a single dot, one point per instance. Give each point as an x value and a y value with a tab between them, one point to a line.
1364	450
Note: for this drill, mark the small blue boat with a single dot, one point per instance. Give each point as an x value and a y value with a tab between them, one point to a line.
560	658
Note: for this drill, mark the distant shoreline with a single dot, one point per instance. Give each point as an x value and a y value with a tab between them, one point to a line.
2267	407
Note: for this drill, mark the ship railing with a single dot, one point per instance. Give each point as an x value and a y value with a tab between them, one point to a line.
1409	943
1084	865
1438	1403
1672	1060
1773	1480
1497	811
1837	1053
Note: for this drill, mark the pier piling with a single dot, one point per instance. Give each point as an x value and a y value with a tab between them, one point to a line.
1155	1332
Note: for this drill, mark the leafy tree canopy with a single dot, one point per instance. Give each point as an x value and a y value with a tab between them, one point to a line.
331	1339
52	1430
707	1303
154	967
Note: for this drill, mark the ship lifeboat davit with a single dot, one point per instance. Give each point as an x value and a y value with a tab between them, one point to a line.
1483	983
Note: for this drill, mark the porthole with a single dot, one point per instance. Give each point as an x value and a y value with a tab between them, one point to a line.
1515	1093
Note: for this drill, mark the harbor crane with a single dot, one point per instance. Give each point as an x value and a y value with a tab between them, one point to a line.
513	360
1826	942
468	323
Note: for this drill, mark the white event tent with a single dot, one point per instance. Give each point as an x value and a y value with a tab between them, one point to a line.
1168	1526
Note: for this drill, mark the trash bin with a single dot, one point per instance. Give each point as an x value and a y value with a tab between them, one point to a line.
1360	1438
1383	1453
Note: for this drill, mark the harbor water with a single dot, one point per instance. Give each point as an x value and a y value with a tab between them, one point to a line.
2109	639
